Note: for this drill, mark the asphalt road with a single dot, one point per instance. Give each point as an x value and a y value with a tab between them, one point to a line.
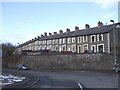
70	79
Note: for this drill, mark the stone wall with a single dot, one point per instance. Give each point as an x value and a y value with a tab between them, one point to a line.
69	62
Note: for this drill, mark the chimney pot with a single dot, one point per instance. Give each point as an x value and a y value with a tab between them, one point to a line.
100	24
38	37
76	28
35	38
45	34
55	33
41	35
67	30
61	31
87	26
50	34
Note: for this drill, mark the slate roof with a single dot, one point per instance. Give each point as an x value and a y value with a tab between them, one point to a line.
89	31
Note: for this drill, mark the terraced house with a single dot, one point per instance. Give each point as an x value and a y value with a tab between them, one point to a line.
96	39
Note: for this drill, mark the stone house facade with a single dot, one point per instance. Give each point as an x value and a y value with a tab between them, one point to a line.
96	39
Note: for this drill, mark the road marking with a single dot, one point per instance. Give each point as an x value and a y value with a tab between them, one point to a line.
80	86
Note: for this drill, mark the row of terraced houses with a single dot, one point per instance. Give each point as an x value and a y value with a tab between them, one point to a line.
96	39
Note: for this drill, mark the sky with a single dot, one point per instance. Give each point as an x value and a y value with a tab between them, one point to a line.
23	21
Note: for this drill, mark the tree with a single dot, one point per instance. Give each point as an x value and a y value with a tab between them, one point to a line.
7	53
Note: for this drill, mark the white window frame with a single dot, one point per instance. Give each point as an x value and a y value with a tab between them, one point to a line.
56	41
50	41
60	48
100	45
56	48
83	47
60	41
85	38
64	40
68	47
69	40
73	39
94	38
98	37
73	46
53	41
79	39
47	42
94	48
80	49
63	46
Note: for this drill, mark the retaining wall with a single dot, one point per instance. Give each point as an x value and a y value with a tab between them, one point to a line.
69	62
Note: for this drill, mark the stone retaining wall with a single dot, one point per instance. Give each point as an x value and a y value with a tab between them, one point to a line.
69	62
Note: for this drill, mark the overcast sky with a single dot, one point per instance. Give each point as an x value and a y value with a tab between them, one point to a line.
22	21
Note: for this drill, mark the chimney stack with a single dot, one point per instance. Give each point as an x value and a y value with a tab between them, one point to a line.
42	35
87	26
35	38
76	28
55	33
50	34
61	31
67	30
38	37
45	34
100	24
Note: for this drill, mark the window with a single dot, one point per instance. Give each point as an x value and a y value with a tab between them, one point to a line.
79	39
56	48
93	48
93	38
68	40
60	41
60	48
44	42
73	39
79	49
47	41
53	41
100	37
64	40
85	48
84	38
73	49
64	48
100	48
50	41
56	41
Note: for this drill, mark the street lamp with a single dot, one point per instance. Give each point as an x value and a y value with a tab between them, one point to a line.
115	60
114	36
118	28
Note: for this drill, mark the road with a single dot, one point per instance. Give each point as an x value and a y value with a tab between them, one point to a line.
70	79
